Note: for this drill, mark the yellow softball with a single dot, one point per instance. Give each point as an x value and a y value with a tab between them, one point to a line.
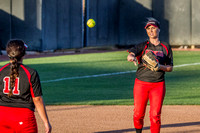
91	23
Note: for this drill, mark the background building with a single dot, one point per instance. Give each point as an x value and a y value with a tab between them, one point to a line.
60	24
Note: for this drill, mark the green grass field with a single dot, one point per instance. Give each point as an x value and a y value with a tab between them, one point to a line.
183	84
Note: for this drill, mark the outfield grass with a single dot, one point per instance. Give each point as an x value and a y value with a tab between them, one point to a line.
183	85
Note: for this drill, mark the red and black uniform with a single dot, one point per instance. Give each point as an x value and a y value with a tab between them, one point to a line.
150	85
17	111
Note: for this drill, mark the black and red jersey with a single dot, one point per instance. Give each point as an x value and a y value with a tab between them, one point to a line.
164	55
27	86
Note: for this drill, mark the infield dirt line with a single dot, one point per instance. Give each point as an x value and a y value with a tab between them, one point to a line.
118	119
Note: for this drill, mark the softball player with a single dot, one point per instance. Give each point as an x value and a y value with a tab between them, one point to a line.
20	93
150	85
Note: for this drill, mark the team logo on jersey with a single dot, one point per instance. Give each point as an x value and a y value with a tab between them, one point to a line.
157	53
6	89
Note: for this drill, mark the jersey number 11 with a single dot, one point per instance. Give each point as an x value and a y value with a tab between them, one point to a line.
7	86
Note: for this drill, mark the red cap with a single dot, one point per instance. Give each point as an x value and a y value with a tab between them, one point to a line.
152	22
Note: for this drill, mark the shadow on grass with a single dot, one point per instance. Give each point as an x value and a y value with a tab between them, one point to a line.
163	126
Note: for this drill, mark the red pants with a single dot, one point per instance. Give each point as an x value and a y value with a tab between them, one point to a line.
17	120
143	91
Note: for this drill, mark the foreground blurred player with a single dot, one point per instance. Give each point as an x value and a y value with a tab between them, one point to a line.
20	93
149	84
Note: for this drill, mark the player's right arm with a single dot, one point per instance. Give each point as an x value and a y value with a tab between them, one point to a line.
131	58
39	104
135	51
38	101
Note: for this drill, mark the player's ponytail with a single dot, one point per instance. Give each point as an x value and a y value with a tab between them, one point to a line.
13	74
15	50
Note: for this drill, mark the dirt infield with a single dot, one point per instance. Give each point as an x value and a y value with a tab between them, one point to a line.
118	119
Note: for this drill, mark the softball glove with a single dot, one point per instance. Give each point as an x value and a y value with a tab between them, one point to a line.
150	61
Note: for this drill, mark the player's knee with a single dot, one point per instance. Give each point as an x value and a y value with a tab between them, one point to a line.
138	115
155	118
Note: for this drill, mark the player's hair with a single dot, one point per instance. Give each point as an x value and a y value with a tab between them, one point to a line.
15	50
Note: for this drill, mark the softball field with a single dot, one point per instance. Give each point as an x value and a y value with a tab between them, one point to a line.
92	93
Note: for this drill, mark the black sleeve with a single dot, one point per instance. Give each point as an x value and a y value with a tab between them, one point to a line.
169	56
36	85
137	49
